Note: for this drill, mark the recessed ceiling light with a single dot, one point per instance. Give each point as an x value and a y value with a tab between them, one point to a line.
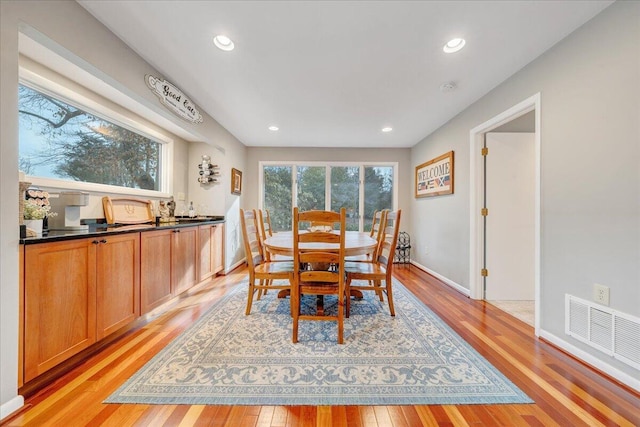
273	128
454	45
223	42
448	86
387	129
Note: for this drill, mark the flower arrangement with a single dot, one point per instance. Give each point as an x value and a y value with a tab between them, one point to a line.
35	210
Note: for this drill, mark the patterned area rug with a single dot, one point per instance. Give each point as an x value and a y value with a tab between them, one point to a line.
227	358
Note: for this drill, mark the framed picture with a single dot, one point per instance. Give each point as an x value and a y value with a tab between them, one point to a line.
236	181
435	177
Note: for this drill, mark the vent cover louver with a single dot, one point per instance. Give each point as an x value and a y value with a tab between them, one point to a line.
612	332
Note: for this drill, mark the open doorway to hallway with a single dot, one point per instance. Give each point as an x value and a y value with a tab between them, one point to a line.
505	211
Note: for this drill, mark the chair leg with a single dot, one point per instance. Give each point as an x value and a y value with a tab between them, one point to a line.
252	289
341	317
295	312
378	288
392	310
347	293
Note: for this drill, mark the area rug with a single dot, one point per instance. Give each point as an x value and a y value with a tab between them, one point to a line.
227	358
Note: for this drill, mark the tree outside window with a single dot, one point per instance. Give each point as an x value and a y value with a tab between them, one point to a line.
59	140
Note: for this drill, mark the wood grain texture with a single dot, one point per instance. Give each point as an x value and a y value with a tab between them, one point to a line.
566	392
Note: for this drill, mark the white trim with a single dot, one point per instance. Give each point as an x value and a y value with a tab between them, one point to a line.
236	265
591	360
11	406
447	281
476	183
56	90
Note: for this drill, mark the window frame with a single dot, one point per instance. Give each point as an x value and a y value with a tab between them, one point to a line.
294	186
63	93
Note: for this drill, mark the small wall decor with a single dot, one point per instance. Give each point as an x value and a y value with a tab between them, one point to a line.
208	172
173	98
435	177
236	181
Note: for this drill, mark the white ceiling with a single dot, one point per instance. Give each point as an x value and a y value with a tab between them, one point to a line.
333	73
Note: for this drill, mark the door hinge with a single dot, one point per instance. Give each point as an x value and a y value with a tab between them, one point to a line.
484	211
485	151
484	272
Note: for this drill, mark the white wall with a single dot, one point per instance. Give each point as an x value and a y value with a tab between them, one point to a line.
590	135
73	33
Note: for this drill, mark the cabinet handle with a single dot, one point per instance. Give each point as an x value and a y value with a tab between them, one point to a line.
103	241
176	231
95	242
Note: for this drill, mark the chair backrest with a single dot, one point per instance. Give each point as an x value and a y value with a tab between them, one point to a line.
251	237
265	223
387	248
375	224
305	240
377	229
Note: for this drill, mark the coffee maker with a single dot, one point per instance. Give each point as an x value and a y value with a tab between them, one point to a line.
67	204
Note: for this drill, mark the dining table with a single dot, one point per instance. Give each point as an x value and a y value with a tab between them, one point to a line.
355	243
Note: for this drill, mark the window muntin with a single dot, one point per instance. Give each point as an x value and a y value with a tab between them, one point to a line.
60	141
343	186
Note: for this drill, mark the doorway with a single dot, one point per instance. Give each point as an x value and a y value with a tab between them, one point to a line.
479	277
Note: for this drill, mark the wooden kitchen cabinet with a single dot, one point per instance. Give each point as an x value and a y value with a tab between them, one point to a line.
168	265
75	293
211	255
183	259
59	303
117	282
155	269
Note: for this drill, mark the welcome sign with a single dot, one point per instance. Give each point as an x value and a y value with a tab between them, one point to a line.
435	177
173	98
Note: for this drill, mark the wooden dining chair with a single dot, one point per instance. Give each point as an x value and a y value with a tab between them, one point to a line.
264	221
380	269
262	273
318	271
376	232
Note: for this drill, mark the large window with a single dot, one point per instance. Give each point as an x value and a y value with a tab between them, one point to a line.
62	141
361	189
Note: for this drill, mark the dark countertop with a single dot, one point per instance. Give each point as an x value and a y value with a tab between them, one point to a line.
103	229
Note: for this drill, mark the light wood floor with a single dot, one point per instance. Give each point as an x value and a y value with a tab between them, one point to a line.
566	392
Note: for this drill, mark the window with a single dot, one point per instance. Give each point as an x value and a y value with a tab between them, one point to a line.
361	189
62	141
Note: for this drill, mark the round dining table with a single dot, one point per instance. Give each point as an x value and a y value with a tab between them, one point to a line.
356	243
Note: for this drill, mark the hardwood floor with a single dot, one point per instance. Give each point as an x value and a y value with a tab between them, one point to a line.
565	391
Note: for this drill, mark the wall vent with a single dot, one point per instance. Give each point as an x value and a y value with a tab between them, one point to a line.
612	332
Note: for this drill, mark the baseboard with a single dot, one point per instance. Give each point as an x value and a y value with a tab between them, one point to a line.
234	266
11	406
589	359
447	281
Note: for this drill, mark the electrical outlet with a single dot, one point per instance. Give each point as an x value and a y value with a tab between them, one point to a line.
601	294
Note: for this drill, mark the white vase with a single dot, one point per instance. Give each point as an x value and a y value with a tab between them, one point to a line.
35	225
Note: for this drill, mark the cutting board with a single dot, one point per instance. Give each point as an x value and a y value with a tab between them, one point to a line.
123	210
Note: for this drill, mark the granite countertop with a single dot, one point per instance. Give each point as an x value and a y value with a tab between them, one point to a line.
105	229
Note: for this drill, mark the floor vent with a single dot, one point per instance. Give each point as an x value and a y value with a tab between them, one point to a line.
612	332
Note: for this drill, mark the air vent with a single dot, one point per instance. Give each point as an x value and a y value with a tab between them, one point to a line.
612	332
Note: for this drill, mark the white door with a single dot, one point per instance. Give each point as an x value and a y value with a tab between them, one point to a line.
510	230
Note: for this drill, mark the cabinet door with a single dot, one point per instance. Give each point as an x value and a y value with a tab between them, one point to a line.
155	269
118	282
183	258
60	303
218	247
205	252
